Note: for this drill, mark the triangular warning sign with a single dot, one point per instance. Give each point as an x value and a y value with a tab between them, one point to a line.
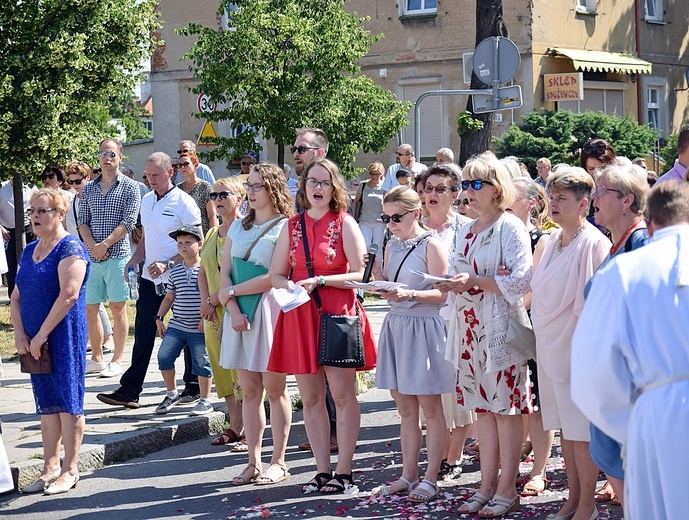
208	135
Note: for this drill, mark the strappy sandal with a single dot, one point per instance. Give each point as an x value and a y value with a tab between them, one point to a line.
424	492
385	491
449	471
317	482
535	486
477	502
243	480
273	476
227	437
604	494
240	447
500	506
342	480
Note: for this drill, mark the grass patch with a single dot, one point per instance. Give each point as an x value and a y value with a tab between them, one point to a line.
36	456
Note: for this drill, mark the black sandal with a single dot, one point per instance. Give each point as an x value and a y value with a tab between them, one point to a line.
340	486
317	482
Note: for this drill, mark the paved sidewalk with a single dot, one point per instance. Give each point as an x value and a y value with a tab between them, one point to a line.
113	434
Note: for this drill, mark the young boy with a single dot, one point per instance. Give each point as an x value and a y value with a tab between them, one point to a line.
184	297
404	177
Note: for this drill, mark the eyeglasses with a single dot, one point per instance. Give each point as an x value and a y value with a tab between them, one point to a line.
253	187
396	218
311	182
75	181
109	153
401	154
49	176
599	190
439	189
476	184
222	195
180	152
597	149
40	211
246	163
302	149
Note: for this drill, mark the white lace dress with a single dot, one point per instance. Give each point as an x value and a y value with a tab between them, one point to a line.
492	377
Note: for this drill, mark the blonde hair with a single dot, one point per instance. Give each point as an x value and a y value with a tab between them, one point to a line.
78	168
232	184
629	179
487	168
339	200
572	178
407	199
59	201
376	167
273	178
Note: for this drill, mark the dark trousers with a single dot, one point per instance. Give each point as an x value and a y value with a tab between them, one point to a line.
12	260
191	381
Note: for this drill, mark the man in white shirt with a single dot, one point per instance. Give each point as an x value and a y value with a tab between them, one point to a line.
203	171
163	210
405	159
630	358
7	225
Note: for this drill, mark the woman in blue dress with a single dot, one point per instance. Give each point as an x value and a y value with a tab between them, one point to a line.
48	304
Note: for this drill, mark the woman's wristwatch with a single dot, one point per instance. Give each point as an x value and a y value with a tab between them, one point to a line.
159	318
476	287
321	281
231	291
412	297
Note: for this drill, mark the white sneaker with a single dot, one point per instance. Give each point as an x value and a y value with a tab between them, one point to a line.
111	370
95	367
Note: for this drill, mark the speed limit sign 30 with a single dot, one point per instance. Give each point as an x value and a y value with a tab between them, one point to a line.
204	104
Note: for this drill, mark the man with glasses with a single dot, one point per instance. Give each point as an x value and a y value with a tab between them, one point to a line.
163	210
404	159
203	171
310	145
107	214
247	162
544	167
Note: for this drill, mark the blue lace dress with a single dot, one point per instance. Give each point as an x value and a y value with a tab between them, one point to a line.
61	391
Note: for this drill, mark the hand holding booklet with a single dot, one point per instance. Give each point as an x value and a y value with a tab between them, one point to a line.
291	300
375	286
429	278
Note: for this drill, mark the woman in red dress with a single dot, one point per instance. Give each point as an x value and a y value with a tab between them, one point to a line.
337	250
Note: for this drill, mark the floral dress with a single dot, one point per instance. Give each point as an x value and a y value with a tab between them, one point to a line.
491	376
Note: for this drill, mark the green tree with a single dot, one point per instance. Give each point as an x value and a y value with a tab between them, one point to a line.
62	60
287	64
129	113
559	135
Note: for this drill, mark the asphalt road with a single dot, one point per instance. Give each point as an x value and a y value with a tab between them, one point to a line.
193	481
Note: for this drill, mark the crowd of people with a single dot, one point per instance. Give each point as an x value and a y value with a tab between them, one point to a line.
512	313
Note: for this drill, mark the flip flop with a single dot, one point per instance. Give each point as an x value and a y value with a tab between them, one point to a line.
424	492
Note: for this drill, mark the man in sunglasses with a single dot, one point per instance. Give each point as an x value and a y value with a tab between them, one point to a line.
679	170
203	171
310	145
107	214
404	159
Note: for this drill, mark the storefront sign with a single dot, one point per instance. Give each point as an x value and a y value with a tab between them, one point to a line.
568	86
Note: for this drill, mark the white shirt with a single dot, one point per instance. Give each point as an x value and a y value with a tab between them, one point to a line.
7	203
160	218
391	181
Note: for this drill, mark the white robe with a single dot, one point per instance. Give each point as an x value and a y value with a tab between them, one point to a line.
634	332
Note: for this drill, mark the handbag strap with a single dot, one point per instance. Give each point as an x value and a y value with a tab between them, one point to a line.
307	254
251	248
407	256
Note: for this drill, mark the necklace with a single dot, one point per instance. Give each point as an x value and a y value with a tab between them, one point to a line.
490	223
559	246
634	226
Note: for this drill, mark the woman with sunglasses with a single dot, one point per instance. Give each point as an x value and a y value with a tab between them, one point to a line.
246	344
198	189
227	196
336	248
412	361
493	378
596	153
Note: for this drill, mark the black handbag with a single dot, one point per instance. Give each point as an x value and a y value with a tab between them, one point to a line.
340	340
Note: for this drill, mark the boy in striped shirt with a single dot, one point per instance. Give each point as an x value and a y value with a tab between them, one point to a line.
186	325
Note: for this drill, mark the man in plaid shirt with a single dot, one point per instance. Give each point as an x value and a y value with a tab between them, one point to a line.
107	214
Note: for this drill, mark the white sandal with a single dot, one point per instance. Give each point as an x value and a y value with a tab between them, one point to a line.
477	502
385	490
424	492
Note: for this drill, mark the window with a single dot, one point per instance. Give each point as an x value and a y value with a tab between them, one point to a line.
412	7
467	66
225	22
653	10
599	96
656	113
653	107
432	117
586	6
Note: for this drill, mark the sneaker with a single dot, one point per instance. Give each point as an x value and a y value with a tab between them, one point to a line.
111	370
187	397
202	408
117	398
107	350
94	367
167	404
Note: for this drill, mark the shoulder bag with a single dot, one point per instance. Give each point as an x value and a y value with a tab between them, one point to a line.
340	341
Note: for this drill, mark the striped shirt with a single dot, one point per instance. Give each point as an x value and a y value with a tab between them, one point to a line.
186	309
103	213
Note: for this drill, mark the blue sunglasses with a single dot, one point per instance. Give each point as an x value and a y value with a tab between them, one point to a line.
476	184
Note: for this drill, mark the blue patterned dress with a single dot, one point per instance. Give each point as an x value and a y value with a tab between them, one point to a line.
61	391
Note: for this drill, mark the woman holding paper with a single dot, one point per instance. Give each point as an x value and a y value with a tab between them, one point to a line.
247	338
337	250
412	340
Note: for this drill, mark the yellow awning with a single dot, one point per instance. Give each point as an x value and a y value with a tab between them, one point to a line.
603	61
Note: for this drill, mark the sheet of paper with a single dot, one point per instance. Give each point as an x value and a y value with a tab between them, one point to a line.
429	278
375	286
291	300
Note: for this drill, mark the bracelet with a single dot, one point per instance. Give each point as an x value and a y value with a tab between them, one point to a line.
321	281
208	301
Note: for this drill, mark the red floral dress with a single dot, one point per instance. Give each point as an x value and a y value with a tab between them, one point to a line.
295	342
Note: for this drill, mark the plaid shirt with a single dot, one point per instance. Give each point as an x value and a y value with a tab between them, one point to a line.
103	213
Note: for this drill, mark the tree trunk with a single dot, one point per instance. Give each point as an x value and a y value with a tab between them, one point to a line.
18	214
489	22
281	155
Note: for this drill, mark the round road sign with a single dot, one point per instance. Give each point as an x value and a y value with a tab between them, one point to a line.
508	60
204	103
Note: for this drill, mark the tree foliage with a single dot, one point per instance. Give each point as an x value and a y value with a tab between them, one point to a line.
62	62
559	135
287	64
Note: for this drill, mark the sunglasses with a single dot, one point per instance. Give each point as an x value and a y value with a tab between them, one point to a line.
464	202
598	149
49	176
246	163
175	166
476	184
396	218
302	149
187	164
253	187
75	181
222	195
439	189
180	152
96	171
109	153
40	211
401	154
